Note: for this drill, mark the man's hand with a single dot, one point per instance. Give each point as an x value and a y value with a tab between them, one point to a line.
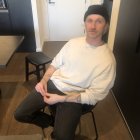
41	87
53	98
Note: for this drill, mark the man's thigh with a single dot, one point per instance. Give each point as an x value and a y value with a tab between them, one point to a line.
66	120
32	103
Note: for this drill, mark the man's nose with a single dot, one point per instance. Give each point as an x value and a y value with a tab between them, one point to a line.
93	25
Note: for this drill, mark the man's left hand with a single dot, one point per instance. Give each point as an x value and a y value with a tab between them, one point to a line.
53	98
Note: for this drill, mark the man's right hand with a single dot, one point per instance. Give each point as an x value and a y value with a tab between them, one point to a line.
41	87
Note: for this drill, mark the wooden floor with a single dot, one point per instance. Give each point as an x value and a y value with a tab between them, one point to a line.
110	123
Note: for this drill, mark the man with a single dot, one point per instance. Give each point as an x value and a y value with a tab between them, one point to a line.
82	73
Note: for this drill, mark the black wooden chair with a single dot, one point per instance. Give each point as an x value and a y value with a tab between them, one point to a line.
39	60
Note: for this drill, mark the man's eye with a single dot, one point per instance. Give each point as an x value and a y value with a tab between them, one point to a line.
99	21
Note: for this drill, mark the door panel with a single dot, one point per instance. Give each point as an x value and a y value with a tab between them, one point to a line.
65	19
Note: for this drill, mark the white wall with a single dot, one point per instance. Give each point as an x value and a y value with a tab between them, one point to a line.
39	9
113	23
40	21
42	15
97	1
36	24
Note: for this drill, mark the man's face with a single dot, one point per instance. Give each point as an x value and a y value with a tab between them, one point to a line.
95	26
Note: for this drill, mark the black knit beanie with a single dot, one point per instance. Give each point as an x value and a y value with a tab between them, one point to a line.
97	9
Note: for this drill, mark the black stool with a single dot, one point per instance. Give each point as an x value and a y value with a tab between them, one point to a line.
39	60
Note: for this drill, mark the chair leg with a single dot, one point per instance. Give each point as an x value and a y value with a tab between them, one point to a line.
44	135
38	73
44	69
26	69
80	127
94	122
95	126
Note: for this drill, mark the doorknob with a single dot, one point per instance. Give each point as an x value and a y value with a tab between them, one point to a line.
51	2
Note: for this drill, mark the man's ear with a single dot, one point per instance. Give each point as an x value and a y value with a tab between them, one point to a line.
106	28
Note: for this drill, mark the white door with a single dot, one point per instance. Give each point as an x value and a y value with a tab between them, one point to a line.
65	19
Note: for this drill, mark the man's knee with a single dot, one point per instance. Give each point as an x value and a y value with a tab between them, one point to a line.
19	116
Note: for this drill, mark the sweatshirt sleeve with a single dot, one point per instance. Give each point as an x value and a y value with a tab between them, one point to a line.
100	86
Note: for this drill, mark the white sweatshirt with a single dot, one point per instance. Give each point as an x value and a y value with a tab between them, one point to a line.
85	69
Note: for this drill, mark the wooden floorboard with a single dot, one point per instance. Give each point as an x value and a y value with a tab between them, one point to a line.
8	125
110	123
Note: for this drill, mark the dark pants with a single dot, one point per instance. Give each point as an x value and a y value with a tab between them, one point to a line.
67	115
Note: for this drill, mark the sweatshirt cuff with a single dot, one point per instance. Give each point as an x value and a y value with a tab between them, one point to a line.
86	99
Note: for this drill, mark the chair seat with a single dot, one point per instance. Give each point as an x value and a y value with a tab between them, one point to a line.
87	108
38	58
